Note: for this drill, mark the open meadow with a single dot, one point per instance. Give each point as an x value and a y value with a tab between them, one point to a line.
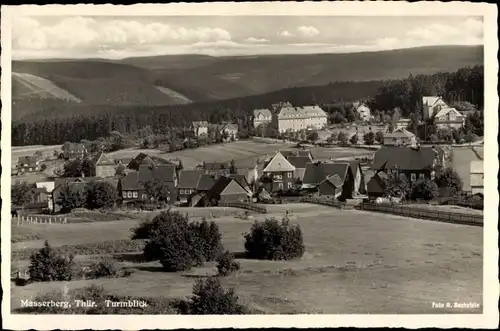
245	153
355	262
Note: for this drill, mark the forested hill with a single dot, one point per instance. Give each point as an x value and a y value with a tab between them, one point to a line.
172	80
56	125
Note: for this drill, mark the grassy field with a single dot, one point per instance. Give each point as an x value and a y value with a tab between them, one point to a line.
245	153
355	262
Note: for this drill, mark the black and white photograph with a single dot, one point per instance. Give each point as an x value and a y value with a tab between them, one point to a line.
250	159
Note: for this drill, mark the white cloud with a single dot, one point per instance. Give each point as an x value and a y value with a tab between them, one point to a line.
82	33
286	34
308	31
256	40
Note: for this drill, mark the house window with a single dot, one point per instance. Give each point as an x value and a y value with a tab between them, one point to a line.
280	185
413	177
289	175
124	194
135	194
144	196
30	169
289	185
421	176
129	194
181	191
278	176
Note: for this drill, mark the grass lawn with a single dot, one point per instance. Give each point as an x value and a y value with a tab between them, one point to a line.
355	262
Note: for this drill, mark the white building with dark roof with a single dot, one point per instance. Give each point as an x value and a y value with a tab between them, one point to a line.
301	118
262	116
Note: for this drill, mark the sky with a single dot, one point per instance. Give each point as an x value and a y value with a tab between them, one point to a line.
128	36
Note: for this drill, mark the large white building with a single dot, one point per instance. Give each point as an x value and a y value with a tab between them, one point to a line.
444	115
301	118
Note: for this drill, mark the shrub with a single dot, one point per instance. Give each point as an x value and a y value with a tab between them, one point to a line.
49	265
379	137
226	264
449	178
106	267
210	298
101	195
208	238
369	138
425	190
271	240
178	244
172	242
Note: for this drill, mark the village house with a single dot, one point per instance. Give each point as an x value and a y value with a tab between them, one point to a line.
363	110
200	128
216	169
399	137
300	163
188	183
140	159
229	131
205	184
376	185
301	118
334	179
48	186
402	123
131	187
39	202
413	164
243	182
262	117
27	164
278	174
449	118
73	151
227	189
477	177
105	166
431	106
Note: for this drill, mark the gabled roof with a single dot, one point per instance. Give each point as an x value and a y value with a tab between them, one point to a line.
299	162
190	178
241	179
317	172
305	152
161	172
301	112
399	133
355	166
405	158
279	164
430	100
205	183
219	185
229	126
29	160
445	111
129	182
104	159
264	112
335	180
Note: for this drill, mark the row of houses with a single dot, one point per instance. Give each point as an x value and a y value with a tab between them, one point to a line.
286	170
229	131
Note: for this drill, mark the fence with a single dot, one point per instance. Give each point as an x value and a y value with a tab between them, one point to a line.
244	205
39	219
325	202
450	217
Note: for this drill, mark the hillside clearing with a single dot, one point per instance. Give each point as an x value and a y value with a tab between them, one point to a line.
396	265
